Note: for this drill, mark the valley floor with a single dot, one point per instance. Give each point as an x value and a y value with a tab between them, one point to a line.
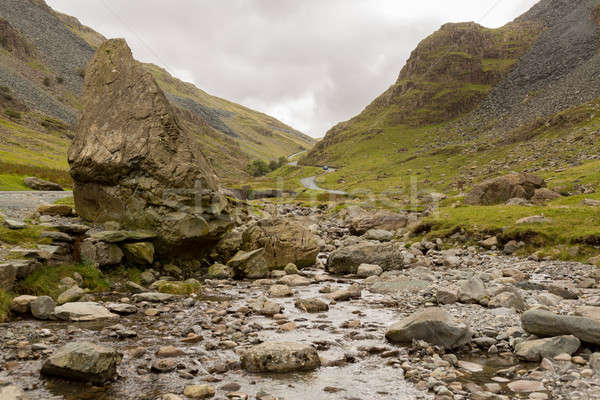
485	290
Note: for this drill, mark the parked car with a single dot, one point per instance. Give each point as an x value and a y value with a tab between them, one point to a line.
325	168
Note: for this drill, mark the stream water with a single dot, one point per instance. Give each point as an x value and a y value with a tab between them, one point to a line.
358	363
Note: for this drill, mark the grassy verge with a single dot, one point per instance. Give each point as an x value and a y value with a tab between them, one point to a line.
69	201
13	174
573	231
45	281
12	183
28	237
5	299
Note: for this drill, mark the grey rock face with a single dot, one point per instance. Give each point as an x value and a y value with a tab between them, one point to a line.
280	357
83	361
42	307
432	325
501	189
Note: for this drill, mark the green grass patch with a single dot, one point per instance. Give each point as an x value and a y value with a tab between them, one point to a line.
12	183
5	299
20	171
572	224
180	288
45	281
69	201
28	237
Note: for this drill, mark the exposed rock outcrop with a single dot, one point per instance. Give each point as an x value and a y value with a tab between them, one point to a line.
503	188
133	162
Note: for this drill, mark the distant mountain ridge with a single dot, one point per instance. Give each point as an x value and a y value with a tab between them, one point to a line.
44	54
470	95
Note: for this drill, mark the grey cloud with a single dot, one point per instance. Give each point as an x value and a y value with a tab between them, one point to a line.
311	63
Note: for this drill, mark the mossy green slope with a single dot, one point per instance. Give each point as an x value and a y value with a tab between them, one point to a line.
447	75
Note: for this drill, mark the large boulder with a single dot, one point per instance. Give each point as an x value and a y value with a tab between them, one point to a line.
432	325
546	324
284	240
83	361
39	184
280	357
503	188
362	221
135	160
346	260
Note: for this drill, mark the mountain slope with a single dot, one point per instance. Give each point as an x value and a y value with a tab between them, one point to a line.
43	55
473	102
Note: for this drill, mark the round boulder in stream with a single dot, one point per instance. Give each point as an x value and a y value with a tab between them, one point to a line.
432	325
280	357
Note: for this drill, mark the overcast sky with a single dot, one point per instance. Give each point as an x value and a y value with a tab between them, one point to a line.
310	63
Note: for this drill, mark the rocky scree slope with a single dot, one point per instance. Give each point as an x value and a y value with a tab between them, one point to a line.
497	106
44	56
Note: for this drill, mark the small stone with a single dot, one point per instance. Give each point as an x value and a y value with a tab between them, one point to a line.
525	386
563	357
280	357
367	270
312	305
21	304
578	360
70	295
280	291
287	327
199	391
164	365
14	225
291	269
169	352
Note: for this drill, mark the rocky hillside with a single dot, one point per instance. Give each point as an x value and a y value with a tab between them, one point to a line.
42	69
472	102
